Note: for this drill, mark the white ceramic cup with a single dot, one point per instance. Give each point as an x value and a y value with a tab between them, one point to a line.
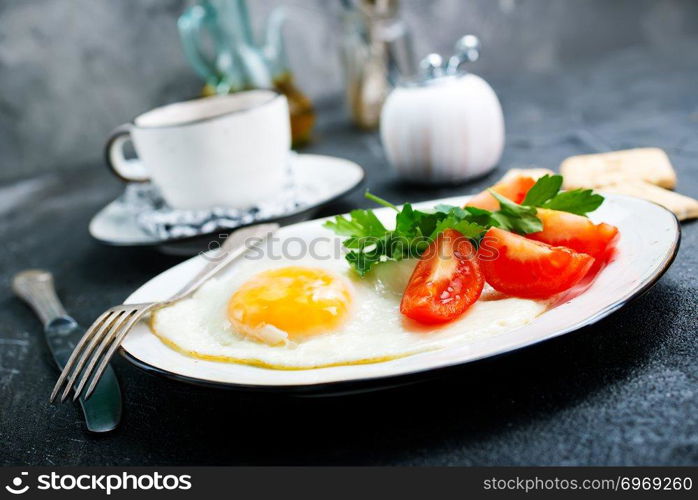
229	150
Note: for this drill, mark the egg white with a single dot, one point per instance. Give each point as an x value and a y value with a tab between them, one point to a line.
374	330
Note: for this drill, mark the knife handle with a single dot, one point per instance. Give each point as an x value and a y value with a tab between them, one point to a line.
36	287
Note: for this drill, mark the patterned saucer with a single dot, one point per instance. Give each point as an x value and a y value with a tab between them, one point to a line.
139	217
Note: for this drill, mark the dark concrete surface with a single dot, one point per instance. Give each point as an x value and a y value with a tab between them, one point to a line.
620	392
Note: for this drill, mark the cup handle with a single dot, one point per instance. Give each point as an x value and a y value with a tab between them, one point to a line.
125	169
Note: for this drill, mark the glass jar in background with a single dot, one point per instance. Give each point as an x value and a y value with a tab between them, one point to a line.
376	50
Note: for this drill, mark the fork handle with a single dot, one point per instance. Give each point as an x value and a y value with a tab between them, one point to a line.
36	287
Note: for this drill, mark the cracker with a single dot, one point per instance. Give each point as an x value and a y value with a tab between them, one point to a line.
650	165
683	207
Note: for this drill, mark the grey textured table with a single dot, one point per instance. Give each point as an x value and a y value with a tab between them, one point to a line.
620	392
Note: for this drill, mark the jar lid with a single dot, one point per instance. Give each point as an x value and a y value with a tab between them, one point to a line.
434	69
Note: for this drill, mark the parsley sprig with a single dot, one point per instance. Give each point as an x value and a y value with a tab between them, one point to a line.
545	193
369	242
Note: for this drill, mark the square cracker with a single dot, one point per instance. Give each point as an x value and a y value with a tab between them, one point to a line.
683	207
650	165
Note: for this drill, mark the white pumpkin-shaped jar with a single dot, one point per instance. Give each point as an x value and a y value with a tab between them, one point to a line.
446	129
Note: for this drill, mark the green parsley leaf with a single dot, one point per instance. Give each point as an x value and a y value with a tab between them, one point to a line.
543	190
545	193
481	216
362	223
363	262
446	209
407	221
468	229
576	201
514	217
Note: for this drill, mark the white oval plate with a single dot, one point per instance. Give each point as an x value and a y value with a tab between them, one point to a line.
648	244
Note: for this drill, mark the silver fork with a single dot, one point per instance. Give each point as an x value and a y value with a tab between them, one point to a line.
91	355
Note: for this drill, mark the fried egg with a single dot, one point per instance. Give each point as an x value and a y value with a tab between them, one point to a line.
299	313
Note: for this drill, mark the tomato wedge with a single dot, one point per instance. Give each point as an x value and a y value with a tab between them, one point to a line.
575	232
515	189
529	269
446	281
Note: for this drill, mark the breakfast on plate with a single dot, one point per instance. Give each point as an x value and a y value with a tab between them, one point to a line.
439	277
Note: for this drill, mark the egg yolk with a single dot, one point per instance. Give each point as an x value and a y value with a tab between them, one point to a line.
301	301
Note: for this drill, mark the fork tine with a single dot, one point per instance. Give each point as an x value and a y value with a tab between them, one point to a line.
106	341
106	326
76	352
112	348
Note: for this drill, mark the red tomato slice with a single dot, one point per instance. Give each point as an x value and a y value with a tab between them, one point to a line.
446	281
515	189
575	232
529	269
